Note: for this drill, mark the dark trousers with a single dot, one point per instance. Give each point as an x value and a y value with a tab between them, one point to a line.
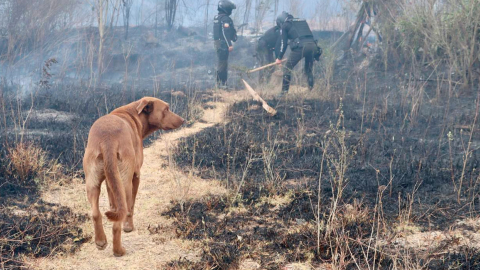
265	56
222	61
305	51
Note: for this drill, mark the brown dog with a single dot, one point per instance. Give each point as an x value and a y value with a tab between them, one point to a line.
115	152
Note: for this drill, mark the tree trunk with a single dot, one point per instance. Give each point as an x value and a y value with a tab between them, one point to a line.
206	19
246	15
115	12
127	5
170	12
102	11
156	17
357	25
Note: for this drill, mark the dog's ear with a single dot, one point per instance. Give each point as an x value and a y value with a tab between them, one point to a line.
145	106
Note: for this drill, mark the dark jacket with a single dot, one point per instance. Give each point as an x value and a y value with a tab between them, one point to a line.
270	38
224	29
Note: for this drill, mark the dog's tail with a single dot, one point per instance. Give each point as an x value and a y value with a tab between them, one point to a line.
114	181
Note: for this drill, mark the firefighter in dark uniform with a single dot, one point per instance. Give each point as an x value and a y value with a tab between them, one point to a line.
265	51
302	45
224	34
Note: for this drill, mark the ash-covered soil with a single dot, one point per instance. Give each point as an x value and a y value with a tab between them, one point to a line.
33	228
409	142
270	227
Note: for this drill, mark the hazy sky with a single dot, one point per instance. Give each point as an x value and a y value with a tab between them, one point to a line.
192	12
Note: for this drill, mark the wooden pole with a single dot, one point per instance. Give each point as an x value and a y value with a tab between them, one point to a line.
357	25
264	67
255	96
342	37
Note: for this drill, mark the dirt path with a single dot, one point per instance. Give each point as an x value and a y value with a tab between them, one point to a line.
152	244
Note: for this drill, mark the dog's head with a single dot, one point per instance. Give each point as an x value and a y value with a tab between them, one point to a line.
158	115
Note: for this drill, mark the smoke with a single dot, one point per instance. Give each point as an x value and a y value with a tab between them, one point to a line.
34	31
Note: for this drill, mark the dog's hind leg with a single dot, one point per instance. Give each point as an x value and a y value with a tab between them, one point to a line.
93	193
128	225
118	249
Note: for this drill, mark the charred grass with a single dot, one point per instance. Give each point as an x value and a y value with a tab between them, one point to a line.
254	228
30	227
58	118
42	139
337	180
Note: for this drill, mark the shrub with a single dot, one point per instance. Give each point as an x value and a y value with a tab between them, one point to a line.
434	32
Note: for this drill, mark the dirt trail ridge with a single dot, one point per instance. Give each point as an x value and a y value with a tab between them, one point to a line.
153	242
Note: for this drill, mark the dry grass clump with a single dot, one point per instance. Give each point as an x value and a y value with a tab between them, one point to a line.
28	166
30	227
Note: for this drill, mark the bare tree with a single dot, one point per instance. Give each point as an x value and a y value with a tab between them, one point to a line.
170	12
207	6
115	13
296	7
104	9
275	10
246	15
126	6
157	4
102	13
30	24
261	8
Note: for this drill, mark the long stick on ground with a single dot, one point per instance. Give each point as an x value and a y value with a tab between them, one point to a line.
264	67
255	96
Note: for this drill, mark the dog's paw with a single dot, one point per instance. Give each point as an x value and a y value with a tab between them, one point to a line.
119	252
101	245
128	225
128	229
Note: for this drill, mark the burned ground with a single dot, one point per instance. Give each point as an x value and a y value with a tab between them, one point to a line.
405	151
385	144
252	227
33	228
232	231
395	149
56	123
